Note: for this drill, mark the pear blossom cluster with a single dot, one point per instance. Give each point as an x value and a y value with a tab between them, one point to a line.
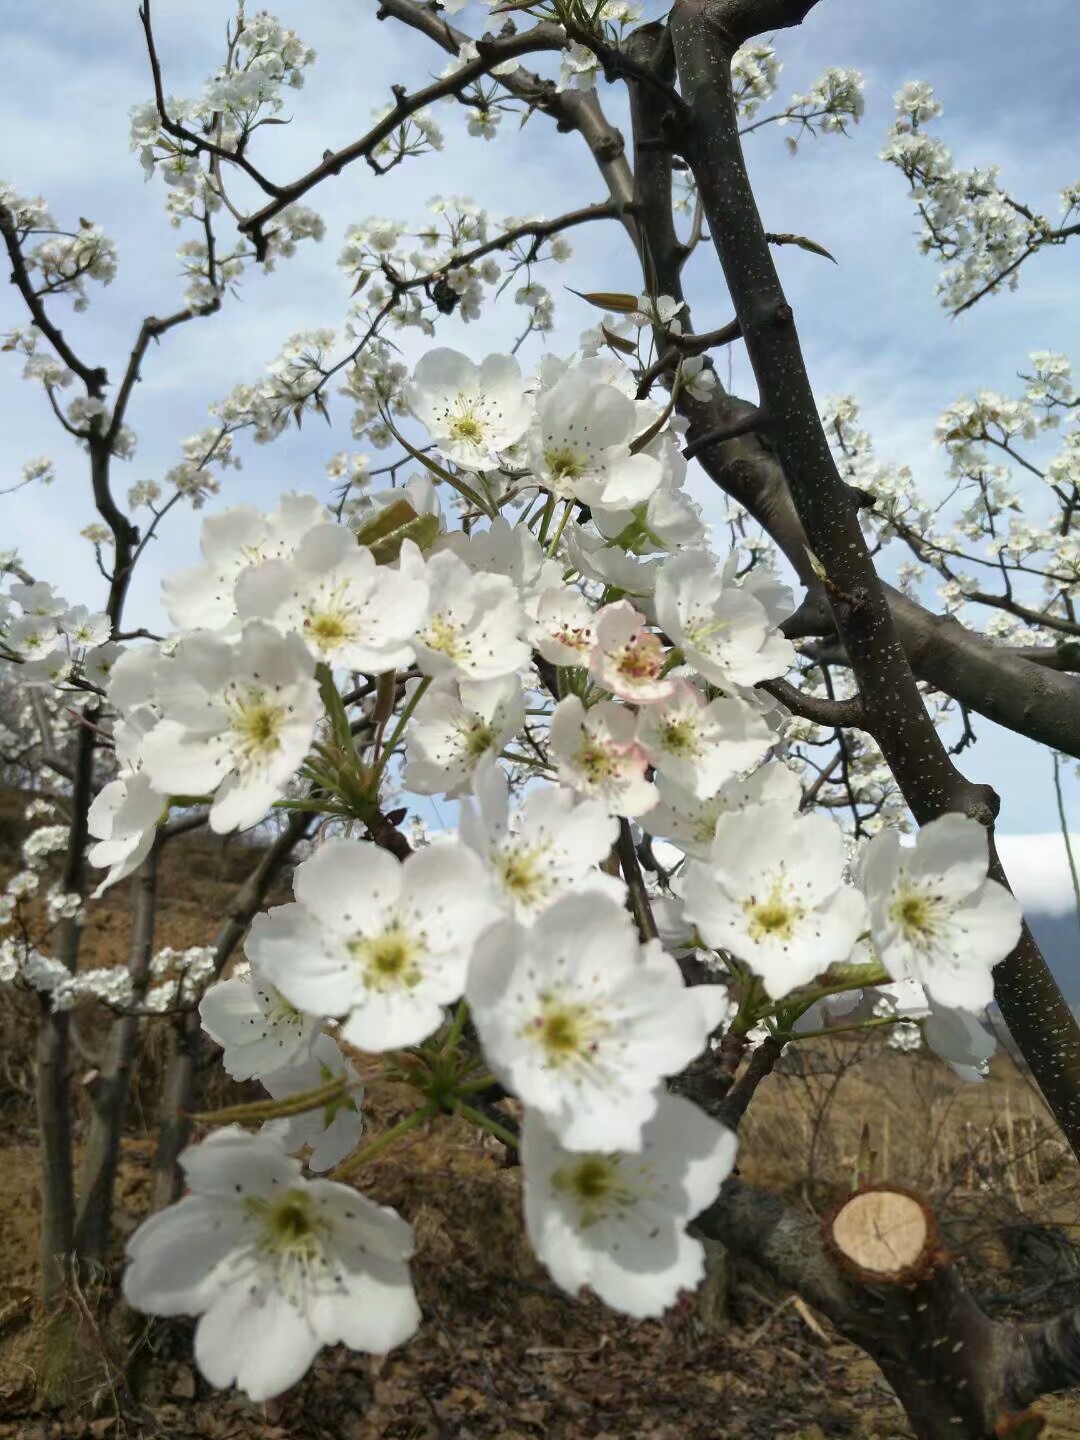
53	642
579	672
1002	551
980	233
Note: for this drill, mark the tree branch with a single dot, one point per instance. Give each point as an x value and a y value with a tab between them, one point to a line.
490	53
93	377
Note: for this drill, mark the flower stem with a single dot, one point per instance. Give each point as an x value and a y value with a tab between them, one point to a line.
457	1025
260	1110
545	522
873	1024
492	1127
403	720
561	527
360	1157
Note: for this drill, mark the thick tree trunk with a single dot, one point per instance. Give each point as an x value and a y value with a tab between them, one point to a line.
877	1269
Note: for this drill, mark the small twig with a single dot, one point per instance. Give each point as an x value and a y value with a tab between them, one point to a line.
640	907
816	708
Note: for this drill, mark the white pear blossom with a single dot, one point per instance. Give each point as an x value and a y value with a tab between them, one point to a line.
34	638
579	448
581	1021
511	550
134	676
472	412
455	725
772	893
332	1131
628	659
552	846
237	720
83	628
661	311
723	630
123	820
351	613
259	1031
597	752
702	743
935	917
475	622
602	560
38	599
275	1266
384	944
97	664
203	598
616	1221
565	628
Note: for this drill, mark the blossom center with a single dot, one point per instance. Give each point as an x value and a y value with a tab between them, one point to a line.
565	465
564	1031
445	638
704	632
330	626
773	917
277	1009
468	428
289	1229
914	914
523	874
596	1185
479	739
575	637
641	658
256	725
596	761
681	737
389	959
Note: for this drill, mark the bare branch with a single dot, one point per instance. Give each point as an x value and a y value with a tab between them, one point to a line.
490	53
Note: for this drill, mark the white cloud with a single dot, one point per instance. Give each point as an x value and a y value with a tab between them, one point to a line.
1038	871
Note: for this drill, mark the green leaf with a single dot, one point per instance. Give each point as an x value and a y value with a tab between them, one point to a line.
398	521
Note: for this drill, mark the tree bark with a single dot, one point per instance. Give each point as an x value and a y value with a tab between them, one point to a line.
957	1373
179	1092
94	1217
53	1090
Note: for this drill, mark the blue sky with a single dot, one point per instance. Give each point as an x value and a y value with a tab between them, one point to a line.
870	325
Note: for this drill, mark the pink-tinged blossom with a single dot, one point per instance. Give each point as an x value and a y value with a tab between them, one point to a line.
628	658
596	752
